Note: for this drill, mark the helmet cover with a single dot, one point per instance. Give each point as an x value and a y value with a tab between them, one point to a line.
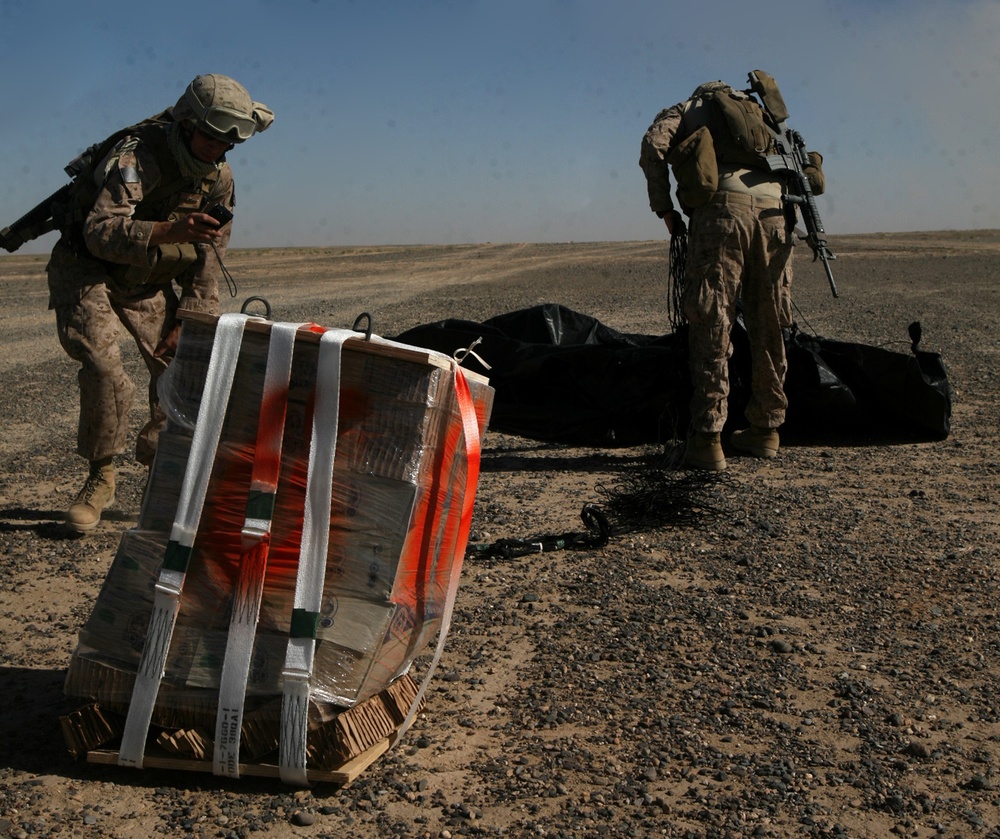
221	107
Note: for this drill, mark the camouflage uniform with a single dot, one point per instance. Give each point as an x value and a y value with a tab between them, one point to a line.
109	277
739	244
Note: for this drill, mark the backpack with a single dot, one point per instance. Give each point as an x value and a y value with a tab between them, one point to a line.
749	133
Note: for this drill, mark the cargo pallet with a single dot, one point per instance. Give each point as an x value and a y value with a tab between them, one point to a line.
354	739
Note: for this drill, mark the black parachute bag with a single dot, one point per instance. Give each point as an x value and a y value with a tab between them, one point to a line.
851	386
907	390
562	376
840	386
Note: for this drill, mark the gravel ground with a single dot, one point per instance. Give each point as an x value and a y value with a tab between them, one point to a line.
801	647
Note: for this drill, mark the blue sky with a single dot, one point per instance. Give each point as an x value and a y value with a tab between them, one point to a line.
468	121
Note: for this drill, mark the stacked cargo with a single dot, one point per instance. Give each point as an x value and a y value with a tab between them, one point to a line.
299	541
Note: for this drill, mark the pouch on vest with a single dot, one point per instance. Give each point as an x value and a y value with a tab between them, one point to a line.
814	172
169	262
695	168
764	85
745	120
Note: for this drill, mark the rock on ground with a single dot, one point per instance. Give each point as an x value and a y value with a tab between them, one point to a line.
802	647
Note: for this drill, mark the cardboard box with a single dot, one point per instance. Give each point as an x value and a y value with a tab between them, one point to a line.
399	481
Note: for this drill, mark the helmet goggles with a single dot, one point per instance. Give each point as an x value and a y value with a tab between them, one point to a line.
224	124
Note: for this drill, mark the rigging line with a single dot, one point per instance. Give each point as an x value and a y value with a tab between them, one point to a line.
230	282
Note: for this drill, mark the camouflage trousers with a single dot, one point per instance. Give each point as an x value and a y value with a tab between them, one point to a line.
738	246
90	311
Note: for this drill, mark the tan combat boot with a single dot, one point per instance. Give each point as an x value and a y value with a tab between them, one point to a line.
704	451
758	441
97	493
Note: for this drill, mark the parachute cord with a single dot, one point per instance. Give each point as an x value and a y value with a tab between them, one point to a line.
809	326
675	292
230	282
597	534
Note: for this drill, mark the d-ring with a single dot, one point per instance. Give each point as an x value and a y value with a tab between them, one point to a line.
357	325
249	300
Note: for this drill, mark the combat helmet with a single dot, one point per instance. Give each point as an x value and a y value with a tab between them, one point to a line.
710	89
221	107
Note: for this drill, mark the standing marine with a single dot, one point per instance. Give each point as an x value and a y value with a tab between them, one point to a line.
739	248
137	246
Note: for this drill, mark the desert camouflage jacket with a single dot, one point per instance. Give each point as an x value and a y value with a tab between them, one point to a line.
653	157
118	228
674	124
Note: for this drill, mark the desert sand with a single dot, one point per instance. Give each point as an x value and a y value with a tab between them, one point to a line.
808	648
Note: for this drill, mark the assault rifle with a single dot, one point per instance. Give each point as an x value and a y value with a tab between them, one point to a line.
69	203
39	219
34	223
790	156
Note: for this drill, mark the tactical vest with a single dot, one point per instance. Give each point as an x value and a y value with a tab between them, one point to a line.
719	127
66	209
738	125
166	202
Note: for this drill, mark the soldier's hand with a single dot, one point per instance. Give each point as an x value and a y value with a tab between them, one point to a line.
191	227
168	346
675	223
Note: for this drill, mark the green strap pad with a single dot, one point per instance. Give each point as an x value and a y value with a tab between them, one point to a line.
304	624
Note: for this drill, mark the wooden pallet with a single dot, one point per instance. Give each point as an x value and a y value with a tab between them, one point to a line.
342	776
346	743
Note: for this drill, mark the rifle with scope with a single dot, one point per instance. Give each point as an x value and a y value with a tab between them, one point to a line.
790	156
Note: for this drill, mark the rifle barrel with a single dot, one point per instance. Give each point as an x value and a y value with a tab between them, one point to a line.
825	256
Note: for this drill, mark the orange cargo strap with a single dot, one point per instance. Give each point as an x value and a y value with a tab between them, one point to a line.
255	540
473	452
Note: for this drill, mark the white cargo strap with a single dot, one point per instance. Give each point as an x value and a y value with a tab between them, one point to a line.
255	544
473	442
311	573
166	601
